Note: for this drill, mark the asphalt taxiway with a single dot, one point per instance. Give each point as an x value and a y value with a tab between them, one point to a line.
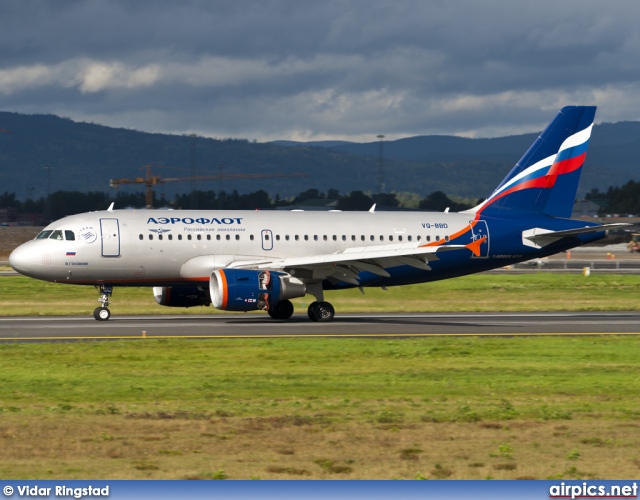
48	329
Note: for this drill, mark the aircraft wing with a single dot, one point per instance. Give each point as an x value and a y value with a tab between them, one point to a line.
346	264
539	237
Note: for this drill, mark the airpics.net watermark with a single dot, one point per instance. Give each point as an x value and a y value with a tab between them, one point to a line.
589	490
60	491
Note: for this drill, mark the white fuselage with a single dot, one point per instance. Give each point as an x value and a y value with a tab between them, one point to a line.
152	247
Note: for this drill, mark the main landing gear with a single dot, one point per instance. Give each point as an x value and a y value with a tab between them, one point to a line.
102	313
318	311
282	310
321	311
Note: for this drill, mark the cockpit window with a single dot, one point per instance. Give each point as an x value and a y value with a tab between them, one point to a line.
43	235
69	235
56	235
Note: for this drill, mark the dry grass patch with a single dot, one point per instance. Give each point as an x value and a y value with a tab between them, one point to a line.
117	447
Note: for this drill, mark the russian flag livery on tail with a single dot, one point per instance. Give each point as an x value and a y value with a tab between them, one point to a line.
545	180
259	260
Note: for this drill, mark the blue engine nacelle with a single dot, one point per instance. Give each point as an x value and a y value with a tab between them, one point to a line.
250	290
181	296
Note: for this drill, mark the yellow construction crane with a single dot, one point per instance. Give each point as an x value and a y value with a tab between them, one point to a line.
151	180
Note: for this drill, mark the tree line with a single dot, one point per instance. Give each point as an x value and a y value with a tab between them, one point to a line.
623	199
63	203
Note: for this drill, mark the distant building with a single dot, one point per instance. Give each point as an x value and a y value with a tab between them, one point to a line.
584	208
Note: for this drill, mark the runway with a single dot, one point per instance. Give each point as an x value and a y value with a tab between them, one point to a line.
65	329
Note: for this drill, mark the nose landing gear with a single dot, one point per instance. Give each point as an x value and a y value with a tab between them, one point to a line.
102	313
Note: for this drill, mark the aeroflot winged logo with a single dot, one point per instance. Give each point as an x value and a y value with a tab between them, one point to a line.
88	234
190	220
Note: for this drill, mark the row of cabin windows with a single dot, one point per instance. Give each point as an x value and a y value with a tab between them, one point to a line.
296	237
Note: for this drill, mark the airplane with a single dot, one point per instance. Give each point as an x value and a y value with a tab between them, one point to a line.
259	260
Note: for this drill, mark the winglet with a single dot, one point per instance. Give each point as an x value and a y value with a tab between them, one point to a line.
373	208
110	209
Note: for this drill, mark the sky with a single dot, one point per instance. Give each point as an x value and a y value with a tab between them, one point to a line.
323	69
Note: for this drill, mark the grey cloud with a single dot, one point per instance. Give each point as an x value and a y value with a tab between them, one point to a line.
334	69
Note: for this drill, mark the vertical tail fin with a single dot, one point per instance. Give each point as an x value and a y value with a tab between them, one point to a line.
545	180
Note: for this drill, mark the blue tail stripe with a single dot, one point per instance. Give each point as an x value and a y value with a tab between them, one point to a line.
572	152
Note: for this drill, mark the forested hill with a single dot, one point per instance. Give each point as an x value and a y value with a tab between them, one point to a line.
85	156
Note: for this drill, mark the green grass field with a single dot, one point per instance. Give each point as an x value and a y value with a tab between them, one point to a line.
480	292
332	408
434	408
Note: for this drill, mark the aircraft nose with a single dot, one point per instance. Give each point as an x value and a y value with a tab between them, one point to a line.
21	259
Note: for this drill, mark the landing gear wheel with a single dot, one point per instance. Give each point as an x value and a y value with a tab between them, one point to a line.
321	311
311	311
282	310
102	313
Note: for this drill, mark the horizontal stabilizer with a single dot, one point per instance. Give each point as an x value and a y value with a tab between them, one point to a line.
539	237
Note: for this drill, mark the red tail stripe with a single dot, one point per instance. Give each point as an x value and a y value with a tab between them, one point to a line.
568	165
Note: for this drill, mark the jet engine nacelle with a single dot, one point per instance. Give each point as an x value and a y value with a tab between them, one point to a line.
181	296
250	290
